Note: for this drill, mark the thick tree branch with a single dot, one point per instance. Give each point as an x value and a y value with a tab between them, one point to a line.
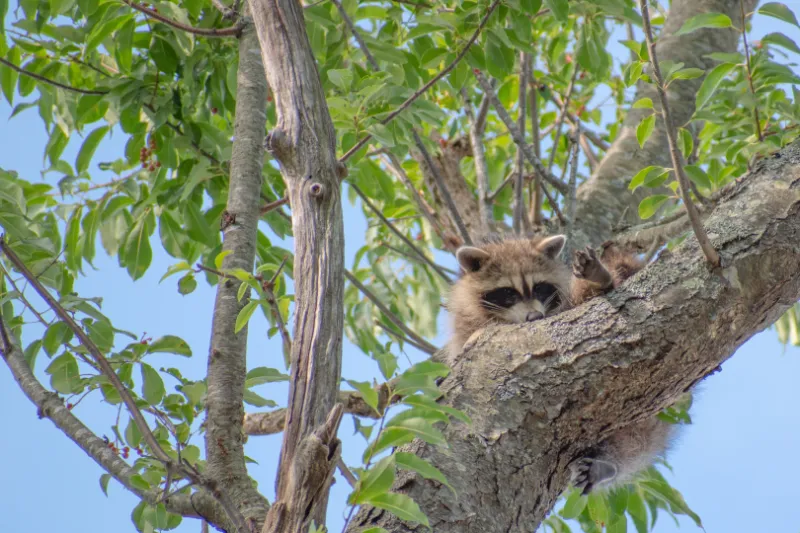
304	143
203	32
558	386
227	359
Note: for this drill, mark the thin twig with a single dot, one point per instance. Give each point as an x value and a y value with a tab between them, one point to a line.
396	168
389	331
507	180
573	185
267	286
48	81
210	32
7	346
424	345
573	119
536	197
428	85
346	473
591	158
515	134
273	205
356	35
520	220
750	73
563	115
476	129
398	233
554	206
411	257
694	217
443	190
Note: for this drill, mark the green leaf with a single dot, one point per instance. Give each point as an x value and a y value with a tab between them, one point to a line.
574	505
704	20
643	103
137	481
88	148
132	434
194	391
187	284
559	8
262	375
685	142
422	429
369	394
342	78
104	479
221	257
645	129
401	506
101	332
409	461
698	176
778	11
686	74
638	511
9	76
388	438
174	269
244	315
65	375
170	344
138	253
152	385
710	84
164	54
780	39
375	482
598	507
620	525
638	180
255	400
649	206
71	239
428	403
56	335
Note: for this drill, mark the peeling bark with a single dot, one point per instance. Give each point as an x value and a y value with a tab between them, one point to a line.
539	394
304	142
227	360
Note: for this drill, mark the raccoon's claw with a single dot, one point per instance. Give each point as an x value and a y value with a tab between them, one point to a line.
588	473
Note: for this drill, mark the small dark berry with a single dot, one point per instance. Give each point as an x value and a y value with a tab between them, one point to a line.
158	164
214	110
70	406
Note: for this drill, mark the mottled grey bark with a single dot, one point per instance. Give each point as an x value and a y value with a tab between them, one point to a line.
539	394
604	198
227	359
304	143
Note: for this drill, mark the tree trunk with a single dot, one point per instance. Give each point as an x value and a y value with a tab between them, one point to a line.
227	360
304	143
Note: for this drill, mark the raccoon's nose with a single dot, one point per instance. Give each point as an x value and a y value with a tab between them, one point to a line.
533	315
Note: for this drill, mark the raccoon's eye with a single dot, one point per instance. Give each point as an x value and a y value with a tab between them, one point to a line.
504	297
546	291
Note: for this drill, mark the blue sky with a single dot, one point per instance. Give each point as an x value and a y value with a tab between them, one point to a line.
735	465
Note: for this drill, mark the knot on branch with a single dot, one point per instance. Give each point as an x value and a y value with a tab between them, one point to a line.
277	143
341	170
317	190
310	475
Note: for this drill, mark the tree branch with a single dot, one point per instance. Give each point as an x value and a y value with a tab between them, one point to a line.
677	163
304	143
425	345
48	81
428	85
516	134
204	32
558	386
520	218
227	359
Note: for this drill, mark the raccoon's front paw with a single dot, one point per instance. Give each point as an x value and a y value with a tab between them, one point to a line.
587	266
588	473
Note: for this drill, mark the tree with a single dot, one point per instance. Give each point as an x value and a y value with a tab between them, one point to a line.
418	99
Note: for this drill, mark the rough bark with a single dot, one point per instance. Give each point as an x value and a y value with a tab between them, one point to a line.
228	350
603	200
539	394
304	143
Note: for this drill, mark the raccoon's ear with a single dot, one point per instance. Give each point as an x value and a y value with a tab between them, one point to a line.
470	258
552	246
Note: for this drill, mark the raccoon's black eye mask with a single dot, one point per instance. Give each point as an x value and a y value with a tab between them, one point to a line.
506	297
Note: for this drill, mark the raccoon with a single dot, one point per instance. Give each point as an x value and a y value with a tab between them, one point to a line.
514	280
